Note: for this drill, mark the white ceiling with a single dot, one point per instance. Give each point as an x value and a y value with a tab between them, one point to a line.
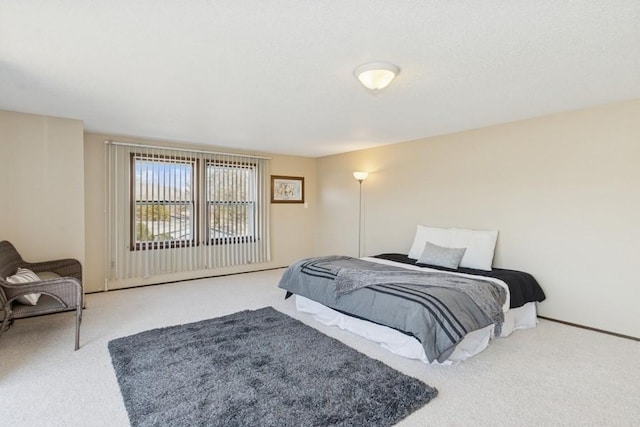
277	76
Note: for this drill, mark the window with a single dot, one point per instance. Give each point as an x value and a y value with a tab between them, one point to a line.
231	201
164	210
172	210
163	205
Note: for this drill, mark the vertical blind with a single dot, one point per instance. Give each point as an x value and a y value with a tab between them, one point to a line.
173	210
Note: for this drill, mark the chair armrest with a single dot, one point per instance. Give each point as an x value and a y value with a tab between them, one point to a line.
62	267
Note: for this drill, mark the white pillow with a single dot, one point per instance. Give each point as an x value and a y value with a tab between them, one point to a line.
424	234
24	275
480	244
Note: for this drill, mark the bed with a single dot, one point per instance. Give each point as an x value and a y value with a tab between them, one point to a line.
433	313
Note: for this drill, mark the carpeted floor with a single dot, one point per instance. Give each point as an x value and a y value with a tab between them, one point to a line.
257	368
552	375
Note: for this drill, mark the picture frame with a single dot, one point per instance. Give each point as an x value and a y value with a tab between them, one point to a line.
287	189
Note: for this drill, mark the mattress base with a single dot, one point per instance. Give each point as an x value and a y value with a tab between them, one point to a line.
407	346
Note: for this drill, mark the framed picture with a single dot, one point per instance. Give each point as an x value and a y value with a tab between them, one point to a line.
287	189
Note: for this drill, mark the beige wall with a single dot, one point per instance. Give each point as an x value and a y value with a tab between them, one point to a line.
292	225
42	190
563	190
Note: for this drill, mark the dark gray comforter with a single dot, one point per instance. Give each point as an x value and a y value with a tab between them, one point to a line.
438	309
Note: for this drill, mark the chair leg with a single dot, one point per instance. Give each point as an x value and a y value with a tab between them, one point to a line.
6	320
78	319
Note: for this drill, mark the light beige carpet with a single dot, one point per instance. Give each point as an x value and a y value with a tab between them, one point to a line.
552	375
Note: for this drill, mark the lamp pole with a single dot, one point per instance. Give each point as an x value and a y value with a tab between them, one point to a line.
360	176
360	220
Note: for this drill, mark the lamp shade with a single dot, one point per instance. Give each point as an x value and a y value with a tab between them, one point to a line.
360	176
376	75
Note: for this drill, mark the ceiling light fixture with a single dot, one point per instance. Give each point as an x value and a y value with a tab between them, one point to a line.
376	75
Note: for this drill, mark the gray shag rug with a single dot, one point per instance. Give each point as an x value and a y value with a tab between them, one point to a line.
257	368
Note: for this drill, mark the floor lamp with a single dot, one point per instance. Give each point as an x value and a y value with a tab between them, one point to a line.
360	176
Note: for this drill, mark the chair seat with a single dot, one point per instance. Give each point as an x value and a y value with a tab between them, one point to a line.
46	305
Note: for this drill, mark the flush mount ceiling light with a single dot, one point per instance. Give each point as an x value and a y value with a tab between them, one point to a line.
376	75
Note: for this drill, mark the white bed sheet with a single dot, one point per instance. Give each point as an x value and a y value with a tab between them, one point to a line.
409	347
404	345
